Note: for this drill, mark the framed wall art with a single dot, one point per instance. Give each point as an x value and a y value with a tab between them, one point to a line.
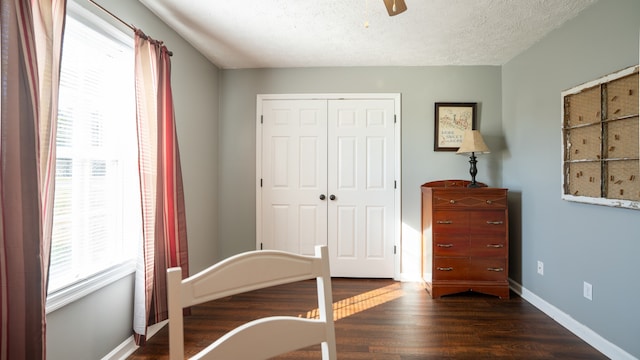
601	151
451	120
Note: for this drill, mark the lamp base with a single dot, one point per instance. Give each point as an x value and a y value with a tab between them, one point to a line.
473	171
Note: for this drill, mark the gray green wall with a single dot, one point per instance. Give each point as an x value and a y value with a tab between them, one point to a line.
420	88
93	326
577	242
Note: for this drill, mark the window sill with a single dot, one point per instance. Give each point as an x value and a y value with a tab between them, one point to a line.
69	294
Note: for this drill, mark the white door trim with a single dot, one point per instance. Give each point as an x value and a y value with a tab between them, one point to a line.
396	97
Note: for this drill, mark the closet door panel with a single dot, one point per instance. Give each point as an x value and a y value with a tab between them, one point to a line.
360	176
294	175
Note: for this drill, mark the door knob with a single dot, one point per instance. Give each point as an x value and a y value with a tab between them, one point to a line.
322	197
332	197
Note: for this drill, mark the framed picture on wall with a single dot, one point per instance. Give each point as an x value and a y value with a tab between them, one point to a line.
451	120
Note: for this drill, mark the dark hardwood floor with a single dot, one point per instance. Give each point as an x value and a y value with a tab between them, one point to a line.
383	319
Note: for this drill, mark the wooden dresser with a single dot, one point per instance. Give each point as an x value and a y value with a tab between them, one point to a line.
465	232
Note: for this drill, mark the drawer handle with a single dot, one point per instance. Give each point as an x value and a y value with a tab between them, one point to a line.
495	269
444	245
489	202
452	201
444	222
495	222
495	245
445	268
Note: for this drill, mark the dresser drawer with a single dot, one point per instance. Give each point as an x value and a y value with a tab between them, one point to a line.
450	245
487	269
488	222
465	198
492	246
450	221
450	268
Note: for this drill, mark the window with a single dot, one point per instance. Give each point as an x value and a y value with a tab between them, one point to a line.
96	221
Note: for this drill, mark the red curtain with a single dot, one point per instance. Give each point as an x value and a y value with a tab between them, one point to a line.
163	211
30	68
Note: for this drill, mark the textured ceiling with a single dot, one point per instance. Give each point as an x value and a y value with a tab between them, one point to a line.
318	33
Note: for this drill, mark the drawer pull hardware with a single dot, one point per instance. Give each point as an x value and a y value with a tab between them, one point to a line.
495	269
444	222
489	202
495	222
445	245
445	268
495	245
452	201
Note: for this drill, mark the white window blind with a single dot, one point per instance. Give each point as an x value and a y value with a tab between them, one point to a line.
96	222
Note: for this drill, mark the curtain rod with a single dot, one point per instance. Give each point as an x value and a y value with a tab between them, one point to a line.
122	21
112	15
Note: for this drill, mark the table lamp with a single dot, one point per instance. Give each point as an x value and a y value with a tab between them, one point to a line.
473	143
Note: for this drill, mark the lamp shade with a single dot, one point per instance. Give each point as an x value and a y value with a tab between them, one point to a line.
472	142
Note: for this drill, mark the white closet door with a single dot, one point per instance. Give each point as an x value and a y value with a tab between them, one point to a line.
327	172
361	178
294	175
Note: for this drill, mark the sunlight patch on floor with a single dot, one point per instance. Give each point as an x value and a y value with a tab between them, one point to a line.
360	302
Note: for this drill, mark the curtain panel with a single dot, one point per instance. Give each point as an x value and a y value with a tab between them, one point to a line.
31	43
163	210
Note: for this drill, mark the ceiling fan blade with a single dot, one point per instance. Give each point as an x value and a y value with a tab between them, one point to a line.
395	7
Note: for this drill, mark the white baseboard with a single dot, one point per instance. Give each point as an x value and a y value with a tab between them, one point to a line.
129	346
583	332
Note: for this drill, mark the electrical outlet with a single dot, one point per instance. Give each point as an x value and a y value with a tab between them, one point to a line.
540	267
587	291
